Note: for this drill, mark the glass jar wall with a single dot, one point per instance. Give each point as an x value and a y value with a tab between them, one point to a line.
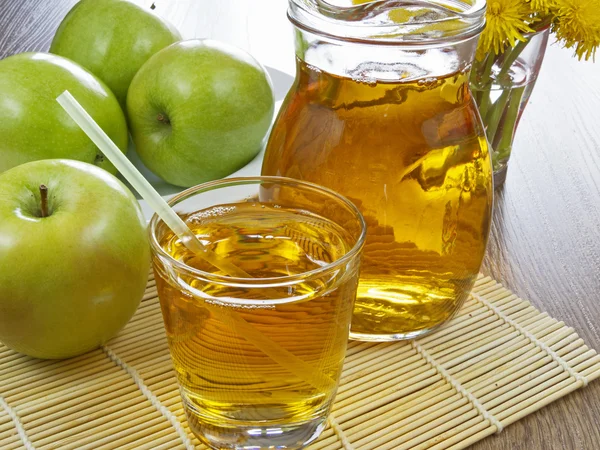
382	113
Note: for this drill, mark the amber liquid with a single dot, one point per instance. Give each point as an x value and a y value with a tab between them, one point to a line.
250	358
414	159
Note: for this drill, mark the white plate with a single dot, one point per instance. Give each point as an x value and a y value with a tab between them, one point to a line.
281	84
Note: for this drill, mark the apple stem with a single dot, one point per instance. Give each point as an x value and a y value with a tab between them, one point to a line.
163	119
44	200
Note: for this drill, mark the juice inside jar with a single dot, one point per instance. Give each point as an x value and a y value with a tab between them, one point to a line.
230	386
413	157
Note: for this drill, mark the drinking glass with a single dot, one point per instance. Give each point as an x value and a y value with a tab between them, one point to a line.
258	358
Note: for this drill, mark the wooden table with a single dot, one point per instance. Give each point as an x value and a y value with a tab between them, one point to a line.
545	239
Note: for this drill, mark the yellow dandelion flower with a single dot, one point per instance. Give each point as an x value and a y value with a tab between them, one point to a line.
577	24
541	6
506	21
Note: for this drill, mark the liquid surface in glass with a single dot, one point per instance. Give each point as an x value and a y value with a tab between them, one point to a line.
223	350
413	157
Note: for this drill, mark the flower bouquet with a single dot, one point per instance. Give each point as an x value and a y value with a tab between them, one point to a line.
510	54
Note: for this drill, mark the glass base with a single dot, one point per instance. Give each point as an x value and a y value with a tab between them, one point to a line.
500	176
271	437
408	307
393	337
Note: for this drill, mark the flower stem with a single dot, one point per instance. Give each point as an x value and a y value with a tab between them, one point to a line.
505	132
484	80
510	59
492	114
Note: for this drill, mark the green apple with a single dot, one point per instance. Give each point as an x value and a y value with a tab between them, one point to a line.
199	110
112	39
73	268
34	126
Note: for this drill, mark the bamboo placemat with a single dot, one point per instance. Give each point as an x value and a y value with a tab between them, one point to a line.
497	361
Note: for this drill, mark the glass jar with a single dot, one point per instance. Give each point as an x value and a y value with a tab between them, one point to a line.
381	112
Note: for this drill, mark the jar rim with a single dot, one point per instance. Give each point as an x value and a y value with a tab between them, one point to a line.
391	22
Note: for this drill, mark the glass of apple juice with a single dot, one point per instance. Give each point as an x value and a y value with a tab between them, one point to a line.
258	357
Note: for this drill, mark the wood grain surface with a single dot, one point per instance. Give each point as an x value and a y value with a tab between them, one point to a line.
545	240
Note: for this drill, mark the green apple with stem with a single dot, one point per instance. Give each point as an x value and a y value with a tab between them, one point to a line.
74	257
34	126
112	39
199	110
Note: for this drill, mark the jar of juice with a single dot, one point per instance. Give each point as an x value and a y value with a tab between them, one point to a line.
381	112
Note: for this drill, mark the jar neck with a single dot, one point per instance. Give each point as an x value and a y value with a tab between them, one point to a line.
371	63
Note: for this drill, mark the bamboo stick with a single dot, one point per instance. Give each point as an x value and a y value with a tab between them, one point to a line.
151	293
496	363
366	405
588	366
84	415
501	296
120	398
10	357
378	353
39	388
402	382
509	391
7	428
128	435
392	373
168	391
478	338
89	389
368	368
529	315
147	311
173	445
355	347
143	340
483	385
398	441
531	396
482	361
10	440
149	441
56	384
154	347
55	367
592	373
535	316
22	367
446	439
438	390
455	327
144	325
416	419
470	334
440	428
101	426
479	353
12	443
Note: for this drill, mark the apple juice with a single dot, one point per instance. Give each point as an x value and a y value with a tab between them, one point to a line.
228	382
413	157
